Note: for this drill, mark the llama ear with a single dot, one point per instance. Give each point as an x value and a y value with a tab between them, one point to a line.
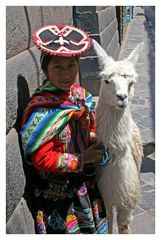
103	58
136	53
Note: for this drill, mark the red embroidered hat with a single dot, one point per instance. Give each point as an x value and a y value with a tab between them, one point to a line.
62	40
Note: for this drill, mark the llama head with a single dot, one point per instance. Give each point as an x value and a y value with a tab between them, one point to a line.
117	77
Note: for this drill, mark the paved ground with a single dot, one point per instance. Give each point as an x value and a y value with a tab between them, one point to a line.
142	28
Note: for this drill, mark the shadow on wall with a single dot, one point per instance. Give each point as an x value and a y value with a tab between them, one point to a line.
23	98
29	171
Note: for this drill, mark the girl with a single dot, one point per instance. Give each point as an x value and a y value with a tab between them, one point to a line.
58	138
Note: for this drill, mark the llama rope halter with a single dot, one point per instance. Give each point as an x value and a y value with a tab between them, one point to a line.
62	40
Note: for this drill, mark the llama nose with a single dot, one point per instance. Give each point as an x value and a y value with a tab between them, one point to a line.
121	96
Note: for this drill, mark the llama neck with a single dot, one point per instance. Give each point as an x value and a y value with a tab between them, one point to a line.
113	126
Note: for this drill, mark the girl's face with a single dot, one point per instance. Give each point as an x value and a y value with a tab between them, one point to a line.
62	72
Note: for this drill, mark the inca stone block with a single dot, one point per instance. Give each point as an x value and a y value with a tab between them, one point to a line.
22	77
87	21
17	30
83	9
113	45
106	16
15	178
108	33
57	15
89	69
34	20
21	221
99	8
117	51
91	82
88	65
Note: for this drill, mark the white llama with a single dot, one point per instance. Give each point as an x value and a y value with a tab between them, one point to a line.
118	181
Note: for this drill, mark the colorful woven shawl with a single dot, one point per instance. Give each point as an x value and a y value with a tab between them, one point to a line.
48	112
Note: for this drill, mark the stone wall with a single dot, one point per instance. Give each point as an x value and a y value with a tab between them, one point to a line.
101	24
23	75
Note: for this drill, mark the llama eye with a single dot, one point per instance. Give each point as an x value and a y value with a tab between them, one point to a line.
107	82
124	75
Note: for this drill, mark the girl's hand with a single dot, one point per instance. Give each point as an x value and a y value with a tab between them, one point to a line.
93	154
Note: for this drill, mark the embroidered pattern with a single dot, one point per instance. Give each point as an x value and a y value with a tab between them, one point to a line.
34	120
95	210
82	218
56	221
82	190
40	223
102	228
62	161
67	163
72	223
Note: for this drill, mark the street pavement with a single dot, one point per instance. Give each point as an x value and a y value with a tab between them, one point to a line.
142	29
